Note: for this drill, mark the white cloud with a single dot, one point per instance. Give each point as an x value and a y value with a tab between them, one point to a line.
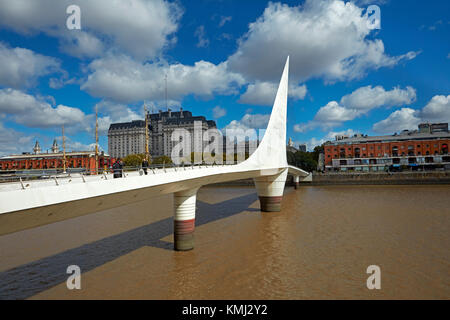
326	39
297	92
141	28
263	93
252	124
219	112
63	80
260	93
436	110
369	2
403	119
330	136
115	113
12	141
21	67
333	112
72	145
367	98
200	33
36	112
81	44
123	79
249	121
357	104
224	20
255	121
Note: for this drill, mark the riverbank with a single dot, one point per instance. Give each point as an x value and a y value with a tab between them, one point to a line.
381	178
369	178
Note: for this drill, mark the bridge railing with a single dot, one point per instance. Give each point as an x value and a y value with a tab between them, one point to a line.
43	174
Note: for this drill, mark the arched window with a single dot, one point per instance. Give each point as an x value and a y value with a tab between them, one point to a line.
395	151
444	148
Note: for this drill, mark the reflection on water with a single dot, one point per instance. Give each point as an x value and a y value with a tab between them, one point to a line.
319	246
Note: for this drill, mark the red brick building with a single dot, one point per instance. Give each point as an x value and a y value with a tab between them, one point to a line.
54	160
366	153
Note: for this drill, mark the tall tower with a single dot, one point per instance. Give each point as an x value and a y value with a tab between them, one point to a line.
290	143
165	78
55	147
37	148
96	141
64	150
147	153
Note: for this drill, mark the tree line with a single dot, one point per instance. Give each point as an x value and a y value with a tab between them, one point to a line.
305	160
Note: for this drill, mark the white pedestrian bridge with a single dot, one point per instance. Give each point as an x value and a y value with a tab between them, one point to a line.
29	204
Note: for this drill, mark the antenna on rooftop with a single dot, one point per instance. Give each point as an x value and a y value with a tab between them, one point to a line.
147	157
64	149
165	78
96	140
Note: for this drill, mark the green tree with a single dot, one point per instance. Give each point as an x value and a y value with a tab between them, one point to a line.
134	160
162	160
317	150
290	158
305	161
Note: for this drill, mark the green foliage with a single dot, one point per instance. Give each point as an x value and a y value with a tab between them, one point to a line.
162	160
304	160
290	157
317	150
207	158
134	160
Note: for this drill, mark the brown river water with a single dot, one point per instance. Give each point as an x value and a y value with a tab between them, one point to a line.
318	247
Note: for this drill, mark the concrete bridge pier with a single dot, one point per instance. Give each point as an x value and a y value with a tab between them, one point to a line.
270	191
184	219
296	182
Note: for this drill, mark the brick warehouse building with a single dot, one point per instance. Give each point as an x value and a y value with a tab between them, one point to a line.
54	160
427	148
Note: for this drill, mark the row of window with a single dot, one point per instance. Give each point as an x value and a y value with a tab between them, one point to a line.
379	148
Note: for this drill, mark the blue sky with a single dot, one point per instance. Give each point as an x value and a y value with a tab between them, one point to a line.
223	60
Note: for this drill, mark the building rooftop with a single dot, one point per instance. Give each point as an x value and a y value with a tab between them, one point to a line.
168	118
128	125
404	136
51	155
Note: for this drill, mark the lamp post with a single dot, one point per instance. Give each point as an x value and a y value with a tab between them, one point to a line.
64	150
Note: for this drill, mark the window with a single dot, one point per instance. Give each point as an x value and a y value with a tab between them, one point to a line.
395	151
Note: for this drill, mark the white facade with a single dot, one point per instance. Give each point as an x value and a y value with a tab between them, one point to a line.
129	138
126	138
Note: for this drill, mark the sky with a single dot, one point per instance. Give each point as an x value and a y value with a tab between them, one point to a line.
223	59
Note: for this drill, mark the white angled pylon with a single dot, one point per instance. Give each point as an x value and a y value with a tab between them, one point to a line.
271	152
